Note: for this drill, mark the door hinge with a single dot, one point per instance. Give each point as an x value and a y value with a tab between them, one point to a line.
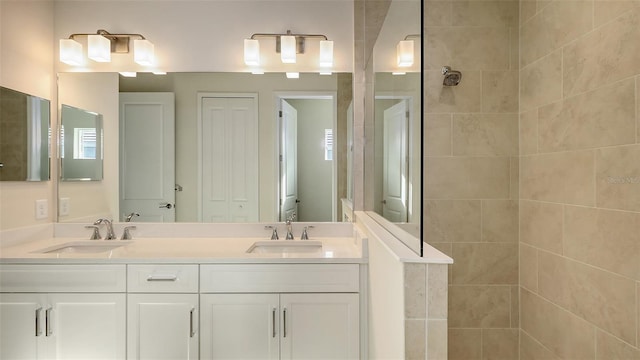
408	114
280	157
280	113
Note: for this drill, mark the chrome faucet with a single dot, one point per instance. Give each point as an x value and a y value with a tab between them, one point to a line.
110	234
274	231
128	218
289	227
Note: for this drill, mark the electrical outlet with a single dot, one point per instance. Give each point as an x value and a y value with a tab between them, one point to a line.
42	209
64	207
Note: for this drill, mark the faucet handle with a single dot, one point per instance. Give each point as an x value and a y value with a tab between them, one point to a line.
126	235
96	232
274	233
305	235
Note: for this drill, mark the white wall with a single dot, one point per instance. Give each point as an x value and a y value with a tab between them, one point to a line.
26	65
208	35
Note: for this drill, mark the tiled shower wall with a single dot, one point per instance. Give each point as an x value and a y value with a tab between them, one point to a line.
471	170
580	180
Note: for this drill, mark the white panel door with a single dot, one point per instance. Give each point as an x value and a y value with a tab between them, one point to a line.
162	326
147	156
320	326
229	159
394	168
239	326
87	326
22	326
288	161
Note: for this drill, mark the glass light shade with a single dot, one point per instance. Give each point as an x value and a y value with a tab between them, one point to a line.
70	52
405	53
293	75
288	49
128	73
99	48
143	52
251	52
326	53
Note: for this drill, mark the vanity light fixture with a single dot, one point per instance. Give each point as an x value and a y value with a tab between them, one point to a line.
404	51
293	75
288	45
102	44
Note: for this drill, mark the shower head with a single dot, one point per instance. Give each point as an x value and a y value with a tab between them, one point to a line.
451	77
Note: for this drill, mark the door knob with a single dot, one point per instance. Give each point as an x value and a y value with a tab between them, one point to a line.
165	205
384	202
297	201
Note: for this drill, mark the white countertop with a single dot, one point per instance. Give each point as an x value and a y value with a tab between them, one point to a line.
183	250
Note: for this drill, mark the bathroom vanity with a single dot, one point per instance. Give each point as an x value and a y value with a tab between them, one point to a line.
189	297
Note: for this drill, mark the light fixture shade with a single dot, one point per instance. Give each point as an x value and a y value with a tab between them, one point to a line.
326	53
293	75
70	52
405	53
143	52
288	49
251	52
128	73
99	48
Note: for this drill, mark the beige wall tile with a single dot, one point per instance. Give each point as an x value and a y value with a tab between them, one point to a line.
438	289
607	10
603	56
465	344
529	267
485	13
529	132
527	10
485	263
415	339
485	134
437	134
603	238
638	312
541	82
437	339
500	91
618	178
437	13
565	334
515	307
595	295
638	108
452	220
514	192
479	306
566	177
500	220
468	48
604	117
451	99
609	347
467	178
415	291
446	249
541	225
499	344
530	349
514	50
554	26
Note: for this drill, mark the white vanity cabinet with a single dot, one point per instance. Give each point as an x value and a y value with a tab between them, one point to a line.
62	312
279	311
162	318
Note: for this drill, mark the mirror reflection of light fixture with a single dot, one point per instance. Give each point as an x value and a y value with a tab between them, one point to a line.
404	51
288	45
102	44
293	75
128	73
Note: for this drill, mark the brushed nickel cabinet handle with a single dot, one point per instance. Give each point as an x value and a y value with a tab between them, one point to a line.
284	320
38	323
162	278
273	322
49	320
192	330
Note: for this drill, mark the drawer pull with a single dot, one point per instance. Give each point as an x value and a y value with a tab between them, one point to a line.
162	278
192	330
273	322
284	322
49	320
38	323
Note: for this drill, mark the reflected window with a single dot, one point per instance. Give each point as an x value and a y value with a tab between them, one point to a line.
328	144
85	143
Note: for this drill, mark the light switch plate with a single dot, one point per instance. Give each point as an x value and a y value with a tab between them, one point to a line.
42	209
64	207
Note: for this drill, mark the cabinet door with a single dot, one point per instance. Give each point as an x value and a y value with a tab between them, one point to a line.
162	326
239	326
86	326
320	326
22	326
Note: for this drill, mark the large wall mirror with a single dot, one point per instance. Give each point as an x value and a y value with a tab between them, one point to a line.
395	65
24	136
216	147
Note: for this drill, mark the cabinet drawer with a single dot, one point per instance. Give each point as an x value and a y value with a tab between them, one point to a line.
63	278
279	278
162	278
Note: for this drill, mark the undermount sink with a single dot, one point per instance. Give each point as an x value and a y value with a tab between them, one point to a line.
285	246
84	247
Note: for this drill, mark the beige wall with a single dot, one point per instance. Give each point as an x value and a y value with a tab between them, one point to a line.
28	69
580	180
471	164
